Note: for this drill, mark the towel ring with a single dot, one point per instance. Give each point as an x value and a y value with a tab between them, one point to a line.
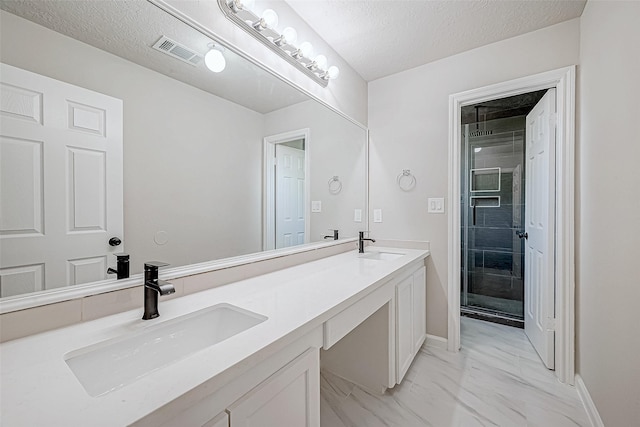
335	186
406	180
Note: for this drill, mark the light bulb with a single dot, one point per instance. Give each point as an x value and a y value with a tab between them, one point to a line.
321	62
214	60
290	35
270	18
306	49
238	5
333	72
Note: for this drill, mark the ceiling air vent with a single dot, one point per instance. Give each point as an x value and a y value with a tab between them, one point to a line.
178	51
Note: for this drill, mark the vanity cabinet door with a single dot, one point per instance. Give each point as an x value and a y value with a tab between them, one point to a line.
290	397
411	320
404	327
221	420
419	308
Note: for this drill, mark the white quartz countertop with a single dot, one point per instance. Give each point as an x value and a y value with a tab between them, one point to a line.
37	387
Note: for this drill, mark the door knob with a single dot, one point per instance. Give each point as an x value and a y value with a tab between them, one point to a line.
114	241
522	234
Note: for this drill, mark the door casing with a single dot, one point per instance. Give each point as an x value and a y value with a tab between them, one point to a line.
268	198
563	80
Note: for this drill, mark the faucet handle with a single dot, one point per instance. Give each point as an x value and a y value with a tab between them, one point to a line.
154	265
122	255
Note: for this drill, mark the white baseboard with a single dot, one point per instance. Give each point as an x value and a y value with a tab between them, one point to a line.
436	341
592	411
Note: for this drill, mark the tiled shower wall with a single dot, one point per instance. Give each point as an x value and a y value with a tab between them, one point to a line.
495	253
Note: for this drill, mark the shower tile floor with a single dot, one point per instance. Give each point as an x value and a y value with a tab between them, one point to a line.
496	379
503	306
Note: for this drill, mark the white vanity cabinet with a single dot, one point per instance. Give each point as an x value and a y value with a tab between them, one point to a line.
281	390
361	317
385	328
290	397
410	319
222	420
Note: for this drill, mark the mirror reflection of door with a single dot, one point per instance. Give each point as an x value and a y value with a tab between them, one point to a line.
287	192
290	197
61	175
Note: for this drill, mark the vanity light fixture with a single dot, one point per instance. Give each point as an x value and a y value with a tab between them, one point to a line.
237	5
263	28
269	21
214	59
289	36
305	50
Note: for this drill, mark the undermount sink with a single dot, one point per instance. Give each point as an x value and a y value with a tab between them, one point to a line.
382	256
111	364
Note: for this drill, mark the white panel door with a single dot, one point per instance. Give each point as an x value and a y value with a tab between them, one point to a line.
61	182
539	267
290	197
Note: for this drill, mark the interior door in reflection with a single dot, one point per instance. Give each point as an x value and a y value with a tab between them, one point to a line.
290	197
61	178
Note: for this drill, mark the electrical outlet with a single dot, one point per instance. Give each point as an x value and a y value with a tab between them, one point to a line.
377	215
316	206
436	205
357	215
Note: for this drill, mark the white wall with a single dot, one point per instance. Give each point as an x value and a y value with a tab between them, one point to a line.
337	147
408	122
347	94
183	171
608	210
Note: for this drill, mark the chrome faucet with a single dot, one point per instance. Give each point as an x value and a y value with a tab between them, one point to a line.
361	240
152	287
334	236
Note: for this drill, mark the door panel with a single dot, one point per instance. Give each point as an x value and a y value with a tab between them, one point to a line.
85	269
21	280
290	197
21	172
540	228
87	190
62	192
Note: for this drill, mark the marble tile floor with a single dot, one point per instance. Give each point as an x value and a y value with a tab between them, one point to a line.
496	379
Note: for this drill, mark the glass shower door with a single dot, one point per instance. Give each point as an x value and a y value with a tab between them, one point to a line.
492	209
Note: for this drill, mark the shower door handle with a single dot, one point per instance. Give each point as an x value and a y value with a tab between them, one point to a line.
522	234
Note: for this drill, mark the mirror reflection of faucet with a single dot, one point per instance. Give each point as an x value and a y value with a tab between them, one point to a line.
361	241
122	266
152	287
334	236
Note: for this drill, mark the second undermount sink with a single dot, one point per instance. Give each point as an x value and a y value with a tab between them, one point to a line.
111	364
382	256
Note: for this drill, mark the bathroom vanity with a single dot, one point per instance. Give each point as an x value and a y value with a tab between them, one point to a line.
360	316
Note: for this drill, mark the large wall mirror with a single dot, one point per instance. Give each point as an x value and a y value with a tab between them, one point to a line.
209	166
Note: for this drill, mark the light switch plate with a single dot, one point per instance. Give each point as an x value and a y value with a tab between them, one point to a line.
377	215
436	205
316	206
357	215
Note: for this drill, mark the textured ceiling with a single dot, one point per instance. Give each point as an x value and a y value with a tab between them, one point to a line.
129	28
382	37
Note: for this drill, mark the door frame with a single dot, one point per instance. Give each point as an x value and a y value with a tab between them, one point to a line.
563	80
268	191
